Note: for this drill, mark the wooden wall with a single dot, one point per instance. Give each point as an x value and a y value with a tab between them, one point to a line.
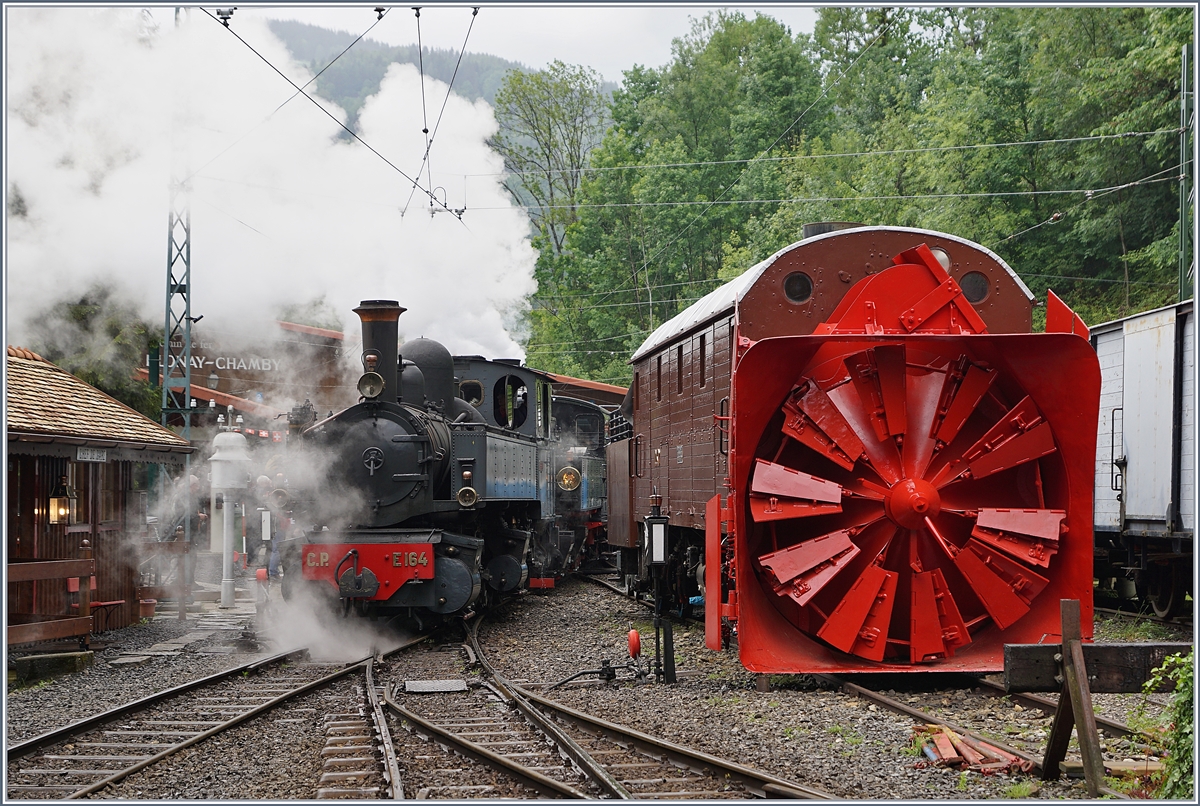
109	517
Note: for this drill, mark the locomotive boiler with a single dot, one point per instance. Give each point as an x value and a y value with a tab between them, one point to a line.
436	492
868	460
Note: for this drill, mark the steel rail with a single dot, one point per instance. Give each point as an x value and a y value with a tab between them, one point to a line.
531	778
887	702
1049	706
58	735
391	768
584	760
758	782
237	720
84	726
1182	620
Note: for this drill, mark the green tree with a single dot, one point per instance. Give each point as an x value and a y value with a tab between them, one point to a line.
549	121
101	340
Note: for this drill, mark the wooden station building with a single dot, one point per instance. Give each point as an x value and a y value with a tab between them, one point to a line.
74	446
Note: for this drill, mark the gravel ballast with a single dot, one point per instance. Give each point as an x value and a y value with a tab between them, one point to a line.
798	730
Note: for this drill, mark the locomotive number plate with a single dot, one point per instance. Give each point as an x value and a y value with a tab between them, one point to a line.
392	563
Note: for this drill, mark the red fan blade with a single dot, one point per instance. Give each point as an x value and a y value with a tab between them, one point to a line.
1028	535
846	624
802	570
765	508
1004	587
811	418
961	393
774	479
936	626
878	375
1021	436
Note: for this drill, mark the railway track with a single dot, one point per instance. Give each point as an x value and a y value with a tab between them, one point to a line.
85	757
1183	620
610	753
1029	761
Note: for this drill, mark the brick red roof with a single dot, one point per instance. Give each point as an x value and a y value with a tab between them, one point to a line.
46	400
223	399
311	331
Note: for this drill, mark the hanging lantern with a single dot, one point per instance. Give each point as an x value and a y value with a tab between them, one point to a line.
62	503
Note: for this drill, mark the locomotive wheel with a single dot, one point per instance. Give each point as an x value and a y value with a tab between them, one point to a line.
904	496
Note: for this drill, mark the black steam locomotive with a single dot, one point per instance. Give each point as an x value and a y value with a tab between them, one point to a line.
452	483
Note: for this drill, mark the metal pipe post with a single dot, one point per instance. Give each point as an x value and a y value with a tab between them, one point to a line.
227	594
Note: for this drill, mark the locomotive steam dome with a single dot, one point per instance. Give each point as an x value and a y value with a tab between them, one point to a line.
437	367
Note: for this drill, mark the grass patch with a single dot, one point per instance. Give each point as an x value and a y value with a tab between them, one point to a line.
1021	790
1131	629
962	781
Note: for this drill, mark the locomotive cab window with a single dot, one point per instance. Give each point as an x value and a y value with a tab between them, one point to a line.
588	427
471	391
510	402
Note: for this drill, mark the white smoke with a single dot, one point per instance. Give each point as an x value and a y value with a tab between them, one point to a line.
105	104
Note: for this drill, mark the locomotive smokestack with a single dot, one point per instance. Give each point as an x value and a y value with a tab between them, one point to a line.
380	337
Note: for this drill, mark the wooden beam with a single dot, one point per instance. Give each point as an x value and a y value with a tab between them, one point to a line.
27	570
1112	668
44	628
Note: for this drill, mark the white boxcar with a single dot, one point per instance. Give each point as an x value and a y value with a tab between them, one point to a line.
1145	454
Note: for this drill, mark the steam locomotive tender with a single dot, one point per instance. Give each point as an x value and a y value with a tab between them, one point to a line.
868	460
426	504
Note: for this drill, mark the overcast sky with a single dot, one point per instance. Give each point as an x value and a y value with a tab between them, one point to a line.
608	38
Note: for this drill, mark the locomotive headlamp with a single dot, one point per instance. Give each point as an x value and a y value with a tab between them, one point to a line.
62	503
569	479
467	496
656	531
370	385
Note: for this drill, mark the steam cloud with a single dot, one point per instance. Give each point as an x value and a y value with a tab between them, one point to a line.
104	105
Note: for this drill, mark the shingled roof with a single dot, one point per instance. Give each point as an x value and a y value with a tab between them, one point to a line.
45	403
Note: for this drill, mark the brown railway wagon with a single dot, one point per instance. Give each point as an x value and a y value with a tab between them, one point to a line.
682	371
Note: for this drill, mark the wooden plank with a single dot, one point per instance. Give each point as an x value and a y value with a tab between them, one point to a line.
28	570
1060	738
1074	769
46	628
1112	668
1076	687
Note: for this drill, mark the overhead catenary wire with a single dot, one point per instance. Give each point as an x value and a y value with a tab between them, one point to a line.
837	155
347	129
829	199
1090	195
425	162
763	153
290	98
429	140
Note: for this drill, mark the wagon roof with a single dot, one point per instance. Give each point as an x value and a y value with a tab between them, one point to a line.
724	298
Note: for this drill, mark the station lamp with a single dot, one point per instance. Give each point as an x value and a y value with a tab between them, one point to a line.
62	503
664	642
656	530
